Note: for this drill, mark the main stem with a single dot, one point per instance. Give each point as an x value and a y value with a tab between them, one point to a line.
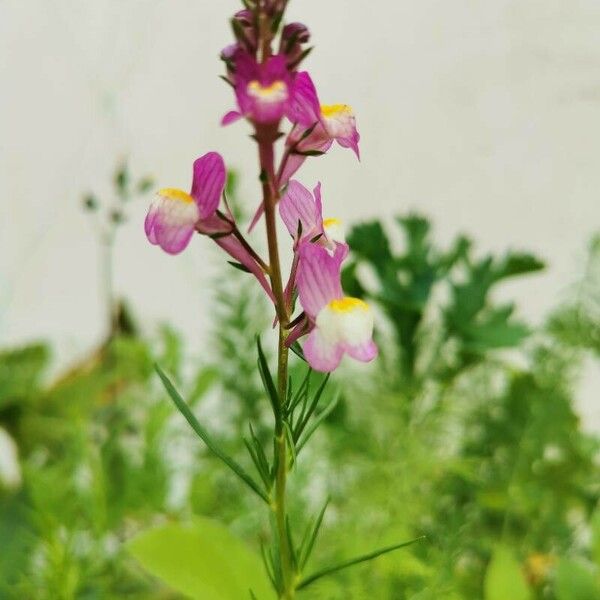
266	137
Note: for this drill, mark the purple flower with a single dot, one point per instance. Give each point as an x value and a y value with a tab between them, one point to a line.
303	216
338	324
175	215
335	123
267	92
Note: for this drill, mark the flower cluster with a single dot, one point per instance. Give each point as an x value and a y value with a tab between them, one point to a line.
270	89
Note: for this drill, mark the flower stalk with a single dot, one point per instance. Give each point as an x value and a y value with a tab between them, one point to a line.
266	137
269	90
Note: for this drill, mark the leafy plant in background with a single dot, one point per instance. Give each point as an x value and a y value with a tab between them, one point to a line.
499	475
469	324
268	87
487	440
106	218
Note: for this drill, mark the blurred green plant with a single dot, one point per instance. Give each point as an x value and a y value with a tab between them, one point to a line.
477	447
107	217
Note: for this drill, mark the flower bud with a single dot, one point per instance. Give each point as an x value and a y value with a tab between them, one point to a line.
244	30
293	37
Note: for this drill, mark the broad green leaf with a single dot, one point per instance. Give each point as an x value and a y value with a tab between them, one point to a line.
202	560
21	372
504	578
575	580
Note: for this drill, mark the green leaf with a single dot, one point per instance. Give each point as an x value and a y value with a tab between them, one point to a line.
305	417
239	266
21	372
504	578
355	561
308	152
207	439
121	179
312	531
267	379
317	422
145	184
576	580
202	560
519	263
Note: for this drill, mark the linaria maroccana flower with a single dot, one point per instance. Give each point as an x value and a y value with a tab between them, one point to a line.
269	91
302	214
336	123
175	215
338	324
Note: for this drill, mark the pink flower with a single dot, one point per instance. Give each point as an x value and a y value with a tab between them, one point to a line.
335	123
338	324
175	215
303	216
267	92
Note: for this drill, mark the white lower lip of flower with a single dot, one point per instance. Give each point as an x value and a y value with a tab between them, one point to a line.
334	230
347	320
272	94
175	212
340	126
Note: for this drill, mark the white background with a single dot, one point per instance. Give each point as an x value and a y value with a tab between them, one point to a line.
483	115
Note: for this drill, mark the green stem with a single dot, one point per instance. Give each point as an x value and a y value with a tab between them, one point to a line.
266	136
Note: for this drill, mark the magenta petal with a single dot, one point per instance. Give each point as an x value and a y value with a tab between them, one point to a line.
231	117
292	164
363	352
262	90
298	207
304	107
171	223
322	356
318	277
351	142
150	223
236	250
208	183
174	241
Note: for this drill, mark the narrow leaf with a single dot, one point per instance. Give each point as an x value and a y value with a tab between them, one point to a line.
310	537
267	380
296	348
311	409
354	561
206	438
239	266
290	440
317	422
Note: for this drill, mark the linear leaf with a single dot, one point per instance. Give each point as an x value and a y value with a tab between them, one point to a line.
317	422
310	537
206	438
311	409
354	561
267	379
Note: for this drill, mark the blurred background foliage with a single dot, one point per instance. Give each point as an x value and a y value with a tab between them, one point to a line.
464	431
